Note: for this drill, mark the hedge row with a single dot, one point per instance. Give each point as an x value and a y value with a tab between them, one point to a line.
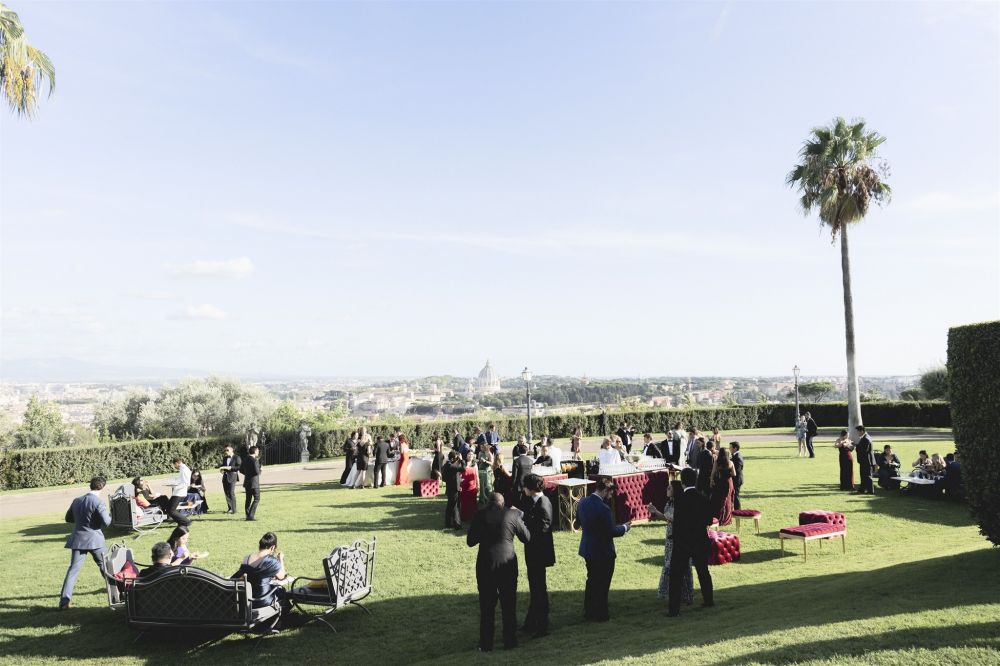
44	467
974	387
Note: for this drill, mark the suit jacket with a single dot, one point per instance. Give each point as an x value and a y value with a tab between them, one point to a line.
89	516
705	463
691	455
864	451
599	530
811	428
520	469
654	450
381	452
626	435
738	466
540	551
231	475
692	516
456	442
493	530
671	450
452	473
250	470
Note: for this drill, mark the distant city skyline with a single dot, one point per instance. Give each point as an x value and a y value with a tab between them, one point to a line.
406	189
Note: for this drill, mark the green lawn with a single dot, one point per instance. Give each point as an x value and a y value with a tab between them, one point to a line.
918	584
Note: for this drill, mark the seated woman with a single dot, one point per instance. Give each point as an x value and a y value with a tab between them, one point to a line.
265	570
888	467
179	543
936	467
921	463
607	455
196	492
144	496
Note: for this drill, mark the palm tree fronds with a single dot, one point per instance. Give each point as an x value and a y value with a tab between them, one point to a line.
24	69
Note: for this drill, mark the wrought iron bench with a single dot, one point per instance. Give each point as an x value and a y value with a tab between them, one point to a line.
348	573
192	598
126	514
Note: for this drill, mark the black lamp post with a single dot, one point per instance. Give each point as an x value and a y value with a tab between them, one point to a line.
526	376
796	371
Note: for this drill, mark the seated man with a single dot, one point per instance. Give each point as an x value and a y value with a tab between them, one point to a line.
265	570
544	459
888	467
161	555
952	482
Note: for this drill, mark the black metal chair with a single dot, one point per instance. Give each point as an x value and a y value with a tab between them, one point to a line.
126	514
119	566
348	575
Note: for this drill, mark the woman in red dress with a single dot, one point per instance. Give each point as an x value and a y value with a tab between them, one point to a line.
469	489
403	474
721	498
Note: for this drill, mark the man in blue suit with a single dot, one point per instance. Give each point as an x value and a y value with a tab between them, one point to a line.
89	516
597	548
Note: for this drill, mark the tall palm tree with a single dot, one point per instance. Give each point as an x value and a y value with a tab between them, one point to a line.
24	70
839	176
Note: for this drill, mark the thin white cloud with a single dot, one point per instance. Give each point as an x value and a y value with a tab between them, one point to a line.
233	268
154	295
954	202
203	311
720	23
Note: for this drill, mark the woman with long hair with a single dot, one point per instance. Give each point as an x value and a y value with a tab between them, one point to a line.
350	449
403	472
721	497
469	489
364	454
674	491
179	544
503	482
485	469
845	447
196	492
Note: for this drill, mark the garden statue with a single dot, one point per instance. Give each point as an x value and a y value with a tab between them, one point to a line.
253	434
304	432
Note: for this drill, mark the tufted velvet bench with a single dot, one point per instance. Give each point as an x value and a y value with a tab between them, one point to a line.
819	516
426	488
816	526
724	547
750	514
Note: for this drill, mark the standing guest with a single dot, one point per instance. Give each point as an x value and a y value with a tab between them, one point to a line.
265	571
161	554
522	443
251	481
607	455
478	441
537	448
556	454
693	449
178	541
403	471
706	461
721	499
736	458
364	456
469	498
493	530
464	448
650	448
179	491
437	457
674	490
811	431
230	469
801	432
845	447
520	469
452	472
539	554
503	482
350	450
485	471
692	517
493	439
456	440
888	467
381	455
574	446
626	433
671	448
196	493
679	437
717	439
544	459
89	517
597	548
866	460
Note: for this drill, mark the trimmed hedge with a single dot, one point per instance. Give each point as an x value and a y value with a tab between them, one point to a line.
974	386
31	468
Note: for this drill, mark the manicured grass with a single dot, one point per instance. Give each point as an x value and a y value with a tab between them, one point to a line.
917	585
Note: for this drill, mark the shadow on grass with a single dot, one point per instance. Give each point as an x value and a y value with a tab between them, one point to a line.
444	627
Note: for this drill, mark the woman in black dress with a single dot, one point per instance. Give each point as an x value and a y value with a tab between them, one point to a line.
503	482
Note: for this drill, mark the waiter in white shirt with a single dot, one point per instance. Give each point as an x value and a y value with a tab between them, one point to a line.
179	491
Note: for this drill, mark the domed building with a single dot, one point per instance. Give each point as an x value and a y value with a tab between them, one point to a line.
487	381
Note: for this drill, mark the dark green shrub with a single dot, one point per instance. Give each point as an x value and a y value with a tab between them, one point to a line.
974	387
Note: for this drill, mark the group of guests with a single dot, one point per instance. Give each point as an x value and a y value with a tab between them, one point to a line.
805	432
362	452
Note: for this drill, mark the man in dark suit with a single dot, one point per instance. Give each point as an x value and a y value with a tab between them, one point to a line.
866	461
161	554
737	459
493	530
381	460
626	433
539	554
597	548
452	473
693	450
250	468
650	448
457	441
671	449
705	463
811	431
520	469
692	516
230	469
89	516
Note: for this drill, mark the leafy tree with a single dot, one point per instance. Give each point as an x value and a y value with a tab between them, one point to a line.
118	418
24	70
934	383
839	176
873	394
42	426
814	391
286	417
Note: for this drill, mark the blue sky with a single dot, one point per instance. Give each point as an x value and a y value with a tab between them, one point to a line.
372	189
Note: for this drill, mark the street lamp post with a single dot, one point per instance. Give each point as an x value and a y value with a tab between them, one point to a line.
526	376
796	371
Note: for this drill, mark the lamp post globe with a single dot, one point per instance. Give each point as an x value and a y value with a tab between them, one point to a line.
526	376
795	370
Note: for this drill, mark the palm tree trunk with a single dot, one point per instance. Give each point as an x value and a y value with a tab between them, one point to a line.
853	395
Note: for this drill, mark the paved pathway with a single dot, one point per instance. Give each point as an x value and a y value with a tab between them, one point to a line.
49	501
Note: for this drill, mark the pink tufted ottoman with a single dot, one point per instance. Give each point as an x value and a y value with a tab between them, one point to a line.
814	531
820	516
426	488
724	547
748	514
